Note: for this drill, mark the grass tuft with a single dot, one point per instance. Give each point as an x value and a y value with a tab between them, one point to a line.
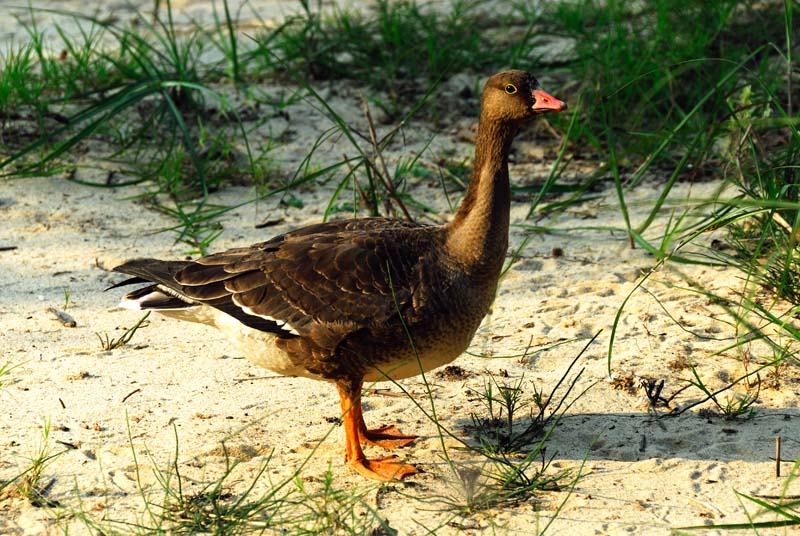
107	343
29	483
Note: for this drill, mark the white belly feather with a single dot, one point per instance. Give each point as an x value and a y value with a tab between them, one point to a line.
259	347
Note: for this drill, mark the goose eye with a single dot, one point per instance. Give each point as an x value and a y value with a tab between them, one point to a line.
511	89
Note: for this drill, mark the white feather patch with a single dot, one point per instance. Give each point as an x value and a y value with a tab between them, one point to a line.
176	294
282	324
132	305
140	303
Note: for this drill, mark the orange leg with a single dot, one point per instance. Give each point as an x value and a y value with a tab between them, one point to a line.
377	468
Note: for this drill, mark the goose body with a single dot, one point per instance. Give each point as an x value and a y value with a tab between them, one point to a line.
364	299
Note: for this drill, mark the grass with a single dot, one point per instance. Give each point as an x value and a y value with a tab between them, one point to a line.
668	89
107	343
714	104
227	498
516	468
223	499
398	49
151	72
5	371
231	503
29	482
499	431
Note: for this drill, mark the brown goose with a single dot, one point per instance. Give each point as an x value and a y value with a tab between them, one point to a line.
341	301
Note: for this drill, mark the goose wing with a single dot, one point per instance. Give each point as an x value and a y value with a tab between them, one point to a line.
321	282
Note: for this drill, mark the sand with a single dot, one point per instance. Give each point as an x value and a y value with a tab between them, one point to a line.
177	392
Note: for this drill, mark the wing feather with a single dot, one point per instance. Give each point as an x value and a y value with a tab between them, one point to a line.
325	281
242	282
197	274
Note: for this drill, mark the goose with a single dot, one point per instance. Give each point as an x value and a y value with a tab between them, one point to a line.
361	300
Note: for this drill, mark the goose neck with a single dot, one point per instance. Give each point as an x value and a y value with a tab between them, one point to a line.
478	235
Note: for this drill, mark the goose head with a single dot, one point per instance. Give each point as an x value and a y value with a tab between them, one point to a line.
515	96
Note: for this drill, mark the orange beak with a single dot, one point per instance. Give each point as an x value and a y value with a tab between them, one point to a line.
544	102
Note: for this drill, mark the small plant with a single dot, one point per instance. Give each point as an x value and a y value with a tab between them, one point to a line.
501	432
733	407
107	343
28	484
500	480
5	371
502	401
784	357
339	510
480	487
514	462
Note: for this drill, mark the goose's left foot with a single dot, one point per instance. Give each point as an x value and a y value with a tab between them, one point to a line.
385	469
388	437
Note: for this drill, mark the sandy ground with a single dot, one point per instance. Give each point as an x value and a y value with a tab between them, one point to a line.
181	388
